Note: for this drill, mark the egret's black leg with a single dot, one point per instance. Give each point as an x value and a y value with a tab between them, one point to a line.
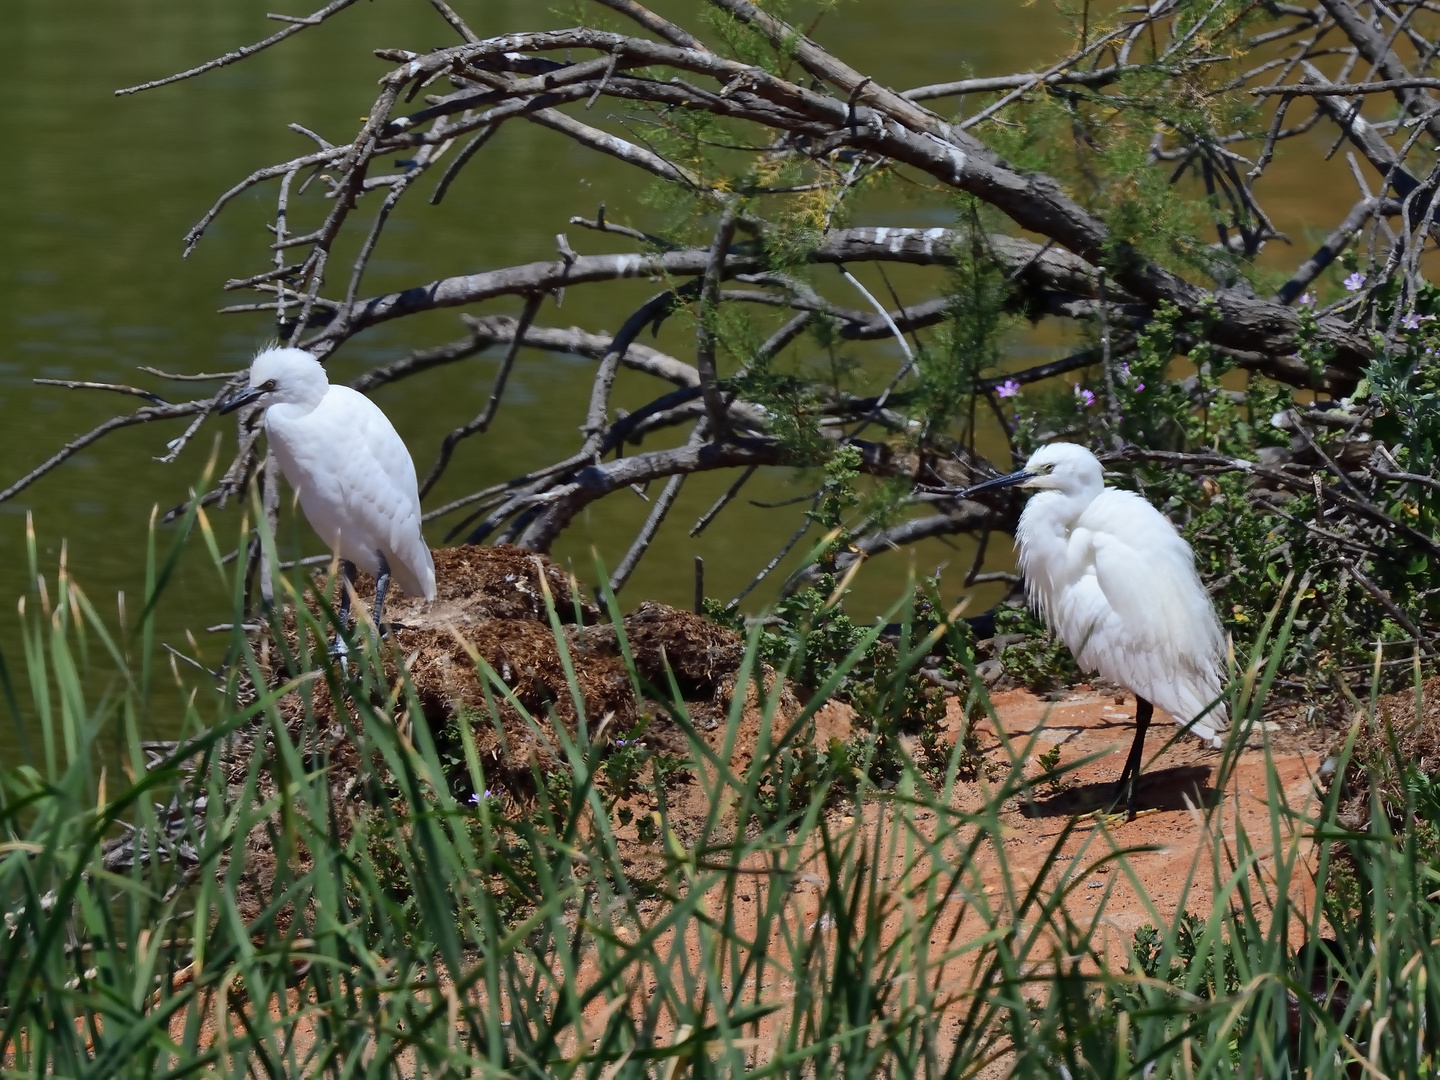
1143	712
347	586
382	585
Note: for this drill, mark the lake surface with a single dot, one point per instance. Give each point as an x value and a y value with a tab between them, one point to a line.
99	191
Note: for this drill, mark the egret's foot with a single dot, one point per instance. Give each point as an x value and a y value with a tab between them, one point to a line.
340	651
1108	818
1124	796
1112	818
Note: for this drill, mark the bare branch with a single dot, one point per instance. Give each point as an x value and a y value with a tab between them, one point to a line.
1094	77
457	24
964	517
704	330
653	522
1383	59
206	376
654	23
117	388
710	515
248	50
482	422
70	449
1347	89
1334	244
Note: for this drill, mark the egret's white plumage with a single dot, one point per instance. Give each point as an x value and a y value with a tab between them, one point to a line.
1114	579
1117	583
354	477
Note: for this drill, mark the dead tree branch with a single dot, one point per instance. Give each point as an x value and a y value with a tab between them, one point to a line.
785	149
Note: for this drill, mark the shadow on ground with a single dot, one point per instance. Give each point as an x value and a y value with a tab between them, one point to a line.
1175	788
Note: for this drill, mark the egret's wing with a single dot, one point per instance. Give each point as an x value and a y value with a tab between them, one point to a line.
389	487
356	483
316	462
1158	634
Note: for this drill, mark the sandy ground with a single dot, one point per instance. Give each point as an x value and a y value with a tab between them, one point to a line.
1169	847
1175	789
1190	814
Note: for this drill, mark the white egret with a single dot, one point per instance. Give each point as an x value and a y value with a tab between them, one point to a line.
1112	577
355	478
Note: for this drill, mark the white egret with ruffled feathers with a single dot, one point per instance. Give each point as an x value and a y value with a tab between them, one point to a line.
351	470
1117	583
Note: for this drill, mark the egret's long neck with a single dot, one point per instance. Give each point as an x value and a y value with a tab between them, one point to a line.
307	395
295	408
1061	508
1043	537
1045	526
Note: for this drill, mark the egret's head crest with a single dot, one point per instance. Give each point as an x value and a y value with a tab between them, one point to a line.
1057	467
282	376
1062	466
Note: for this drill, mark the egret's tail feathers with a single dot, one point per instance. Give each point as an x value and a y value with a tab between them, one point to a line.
416	574
1210	723
426	577
1208	732
425	582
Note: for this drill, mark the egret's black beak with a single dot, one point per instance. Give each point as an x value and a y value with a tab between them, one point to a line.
240	400
998	482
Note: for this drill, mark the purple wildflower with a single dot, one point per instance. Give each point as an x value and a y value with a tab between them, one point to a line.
1140	387
1087	397
1355	282
1306	298
1009	388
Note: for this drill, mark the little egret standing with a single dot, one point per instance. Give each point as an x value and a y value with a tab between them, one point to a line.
355	479
1117	583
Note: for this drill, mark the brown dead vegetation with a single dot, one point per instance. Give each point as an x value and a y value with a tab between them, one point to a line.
1402	739
492	609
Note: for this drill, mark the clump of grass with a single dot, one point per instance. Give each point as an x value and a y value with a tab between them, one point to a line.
408	930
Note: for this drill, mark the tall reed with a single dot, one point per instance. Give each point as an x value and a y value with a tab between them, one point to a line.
776	937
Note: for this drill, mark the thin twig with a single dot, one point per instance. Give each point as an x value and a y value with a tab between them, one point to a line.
207	376
481	423
142	416
249	50
116	388
723	501
705	323
765	571
654	520
461	159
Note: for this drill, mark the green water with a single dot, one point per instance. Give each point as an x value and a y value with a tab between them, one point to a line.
99	190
